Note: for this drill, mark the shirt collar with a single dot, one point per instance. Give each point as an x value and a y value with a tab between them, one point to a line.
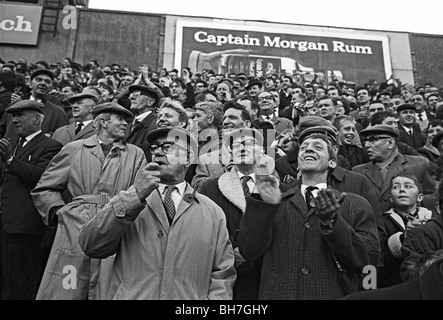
142	116
31	136
85	123
181	187
320	186
252	175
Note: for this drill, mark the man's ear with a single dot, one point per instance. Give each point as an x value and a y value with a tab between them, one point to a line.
248	123
437	207
332	163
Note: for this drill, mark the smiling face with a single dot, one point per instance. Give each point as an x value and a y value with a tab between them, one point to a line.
407	117
168	117
347	133
313	155
232	119
432	132
405	193
267	103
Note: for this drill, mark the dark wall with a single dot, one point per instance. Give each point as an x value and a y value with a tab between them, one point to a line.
427	59
126	39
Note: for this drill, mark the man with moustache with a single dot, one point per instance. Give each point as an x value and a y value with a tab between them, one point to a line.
170	238
91	171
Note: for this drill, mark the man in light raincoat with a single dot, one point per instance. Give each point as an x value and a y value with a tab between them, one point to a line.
92	170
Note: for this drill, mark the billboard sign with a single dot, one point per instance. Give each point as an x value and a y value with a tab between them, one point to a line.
19	24
258	51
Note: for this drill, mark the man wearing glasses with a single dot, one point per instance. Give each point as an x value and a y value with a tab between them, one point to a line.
386	162
171	243
268	105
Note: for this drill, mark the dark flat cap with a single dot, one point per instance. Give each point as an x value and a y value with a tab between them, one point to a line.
380	129
437	138
42	71
152	93
309	125
111	107
405	106
174	133
244	132
253	83
26	105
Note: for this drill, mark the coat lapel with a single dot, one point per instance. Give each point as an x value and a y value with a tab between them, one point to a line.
30	144
184	204
395	168
373	173
230	186
155	203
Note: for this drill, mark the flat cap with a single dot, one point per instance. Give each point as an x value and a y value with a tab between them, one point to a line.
42	71
244	132
437	138
254	82
380	129
26	105
405	106
309	125
85	94
174	133
111	107
147	91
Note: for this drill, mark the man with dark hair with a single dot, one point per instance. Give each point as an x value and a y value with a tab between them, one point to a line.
55	116
310	233
214	164
285	92
408	124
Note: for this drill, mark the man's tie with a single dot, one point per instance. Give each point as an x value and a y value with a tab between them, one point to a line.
420	117
410	132
135	125
169	203
78	128
310	197
268	118
21	141
244	184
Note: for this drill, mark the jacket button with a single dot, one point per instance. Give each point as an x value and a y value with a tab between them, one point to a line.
160	234
305	271
307	225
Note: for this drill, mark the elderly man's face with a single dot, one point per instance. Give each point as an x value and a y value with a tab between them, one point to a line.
313	155
116	127
378	147
245	150
267	102
171	154
138	101
326	108
82	108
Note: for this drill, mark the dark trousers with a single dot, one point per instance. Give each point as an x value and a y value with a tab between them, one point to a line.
20	265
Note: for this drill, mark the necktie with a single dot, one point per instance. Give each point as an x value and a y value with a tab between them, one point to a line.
310	197
169	203
420	117
135	125
21	141
78	128
268	118
106	148
410	132
244	184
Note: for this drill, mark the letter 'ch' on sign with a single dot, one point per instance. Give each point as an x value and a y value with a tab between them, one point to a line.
19	24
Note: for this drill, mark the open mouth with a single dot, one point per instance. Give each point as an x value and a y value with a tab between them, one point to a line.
309	158
163	124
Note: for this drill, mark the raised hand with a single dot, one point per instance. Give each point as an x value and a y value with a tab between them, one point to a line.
147	180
